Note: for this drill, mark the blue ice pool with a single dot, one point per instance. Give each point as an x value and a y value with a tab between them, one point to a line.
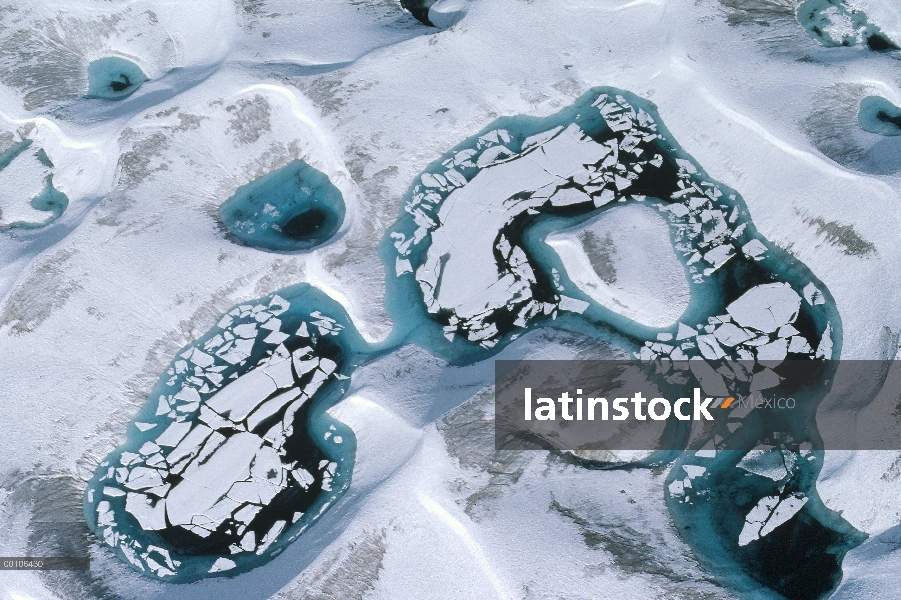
293	208
878	115
114	78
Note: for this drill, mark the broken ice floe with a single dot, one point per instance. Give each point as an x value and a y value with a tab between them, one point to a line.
569	166
769	513
228	464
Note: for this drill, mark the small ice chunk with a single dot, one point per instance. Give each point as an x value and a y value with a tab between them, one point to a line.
568	196
770	513
694	470
222	564
813	295
824	350
730	334
754	249
775	350
710	349
719	255
573	304
798	345
402	266
173	434
766	462
685	332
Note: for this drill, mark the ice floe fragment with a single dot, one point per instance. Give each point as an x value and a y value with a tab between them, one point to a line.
766	307
769	513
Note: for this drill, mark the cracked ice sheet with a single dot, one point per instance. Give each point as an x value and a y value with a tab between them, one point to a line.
470	270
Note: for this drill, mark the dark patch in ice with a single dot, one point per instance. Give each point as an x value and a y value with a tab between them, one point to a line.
436	13
419	9
880	43
306	224
813	551
600	253
842	236
251	119
293	208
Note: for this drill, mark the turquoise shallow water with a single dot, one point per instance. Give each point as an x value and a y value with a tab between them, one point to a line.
293	208
114	78
635	159
48	200
878	115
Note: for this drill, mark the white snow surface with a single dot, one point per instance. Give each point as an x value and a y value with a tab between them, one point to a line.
643	279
